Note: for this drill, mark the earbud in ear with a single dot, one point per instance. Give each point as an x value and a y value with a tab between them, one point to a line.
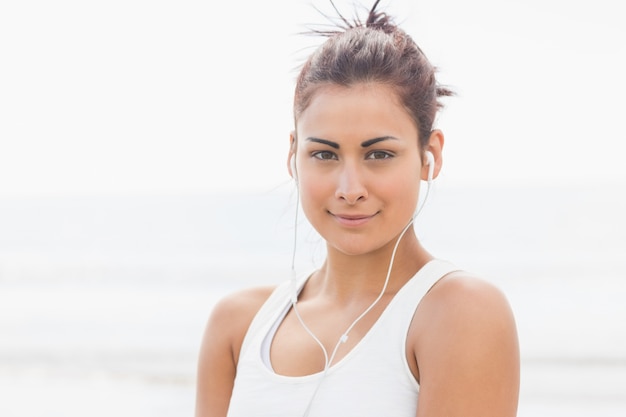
430	161
292	165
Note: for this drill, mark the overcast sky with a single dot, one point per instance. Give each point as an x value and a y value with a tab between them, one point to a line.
139	96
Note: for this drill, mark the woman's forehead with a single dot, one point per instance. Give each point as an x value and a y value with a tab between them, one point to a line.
366	107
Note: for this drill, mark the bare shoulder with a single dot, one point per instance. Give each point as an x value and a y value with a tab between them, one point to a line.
245	299
466	308
231	316
459	293
465	344
219	352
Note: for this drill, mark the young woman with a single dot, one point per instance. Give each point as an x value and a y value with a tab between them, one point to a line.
382	328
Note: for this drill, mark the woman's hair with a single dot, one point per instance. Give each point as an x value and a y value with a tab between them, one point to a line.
375	51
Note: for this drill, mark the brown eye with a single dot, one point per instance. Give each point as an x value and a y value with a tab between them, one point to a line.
324	155
379	155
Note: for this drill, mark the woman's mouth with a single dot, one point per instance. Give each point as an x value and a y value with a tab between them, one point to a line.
353	220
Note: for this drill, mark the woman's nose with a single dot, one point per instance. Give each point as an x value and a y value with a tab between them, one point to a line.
350	185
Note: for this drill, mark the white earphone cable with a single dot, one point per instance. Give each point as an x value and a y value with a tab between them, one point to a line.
344	337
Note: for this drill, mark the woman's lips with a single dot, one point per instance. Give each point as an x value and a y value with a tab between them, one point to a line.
353	220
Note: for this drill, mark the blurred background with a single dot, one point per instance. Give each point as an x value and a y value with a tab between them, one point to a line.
143	176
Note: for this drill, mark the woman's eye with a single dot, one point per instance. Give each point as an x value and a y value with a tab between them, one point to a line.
379	155
324	155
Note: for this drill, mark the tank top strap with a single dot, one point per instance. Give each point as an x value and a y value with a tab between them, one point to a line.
399	314
427	277
270	311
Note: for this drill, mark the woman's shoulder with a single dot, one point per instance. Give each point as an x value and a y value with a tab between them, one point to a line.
240	307
463	284
231	316
465	332
463	299
219	351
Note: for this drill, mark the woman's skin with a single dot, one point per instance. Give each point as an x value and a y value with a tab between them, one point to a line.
359	171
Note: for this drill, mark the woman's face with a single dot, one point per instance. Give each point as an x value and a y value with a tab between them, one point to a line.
358	166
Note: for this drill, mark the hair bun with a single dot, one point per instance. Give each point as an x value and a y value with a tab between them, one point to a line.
379	20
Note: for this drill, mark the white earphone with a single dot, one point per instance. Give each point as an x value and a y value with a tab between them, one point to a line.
430	161
292	165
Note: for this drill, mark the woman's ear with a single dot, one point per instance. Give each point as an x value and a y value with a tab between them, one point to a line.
435	147
291	156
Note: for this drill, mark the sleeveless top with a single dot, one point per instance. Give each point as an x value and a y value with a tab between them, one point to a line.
373	379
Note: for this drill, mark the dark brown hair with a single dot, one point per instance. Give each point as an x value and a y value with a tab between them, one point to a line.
373	51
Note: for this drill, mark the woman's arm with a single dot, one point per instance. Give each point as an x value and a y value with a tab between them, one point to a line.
467	351
219	351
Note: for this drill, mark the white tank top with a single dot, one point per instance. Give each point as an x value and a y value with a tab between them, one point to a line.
373	379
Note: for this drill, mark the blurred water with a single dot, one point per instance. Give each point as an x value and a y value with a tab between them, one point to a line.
103	299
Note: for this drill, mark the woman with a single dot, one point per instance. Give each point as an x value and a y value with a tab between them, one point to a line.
382	328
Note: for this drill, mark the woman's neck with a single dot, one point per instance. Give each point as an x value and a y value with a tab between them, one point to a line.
353	276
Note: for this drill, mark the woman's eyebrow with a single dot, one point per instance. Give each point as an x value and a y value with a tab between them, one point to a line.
370	142
364	144
324	141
